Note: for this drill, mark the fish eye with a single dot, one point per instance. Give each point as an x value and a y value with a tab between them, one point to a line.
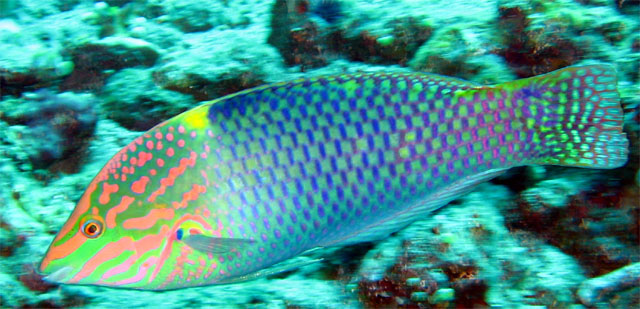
92	228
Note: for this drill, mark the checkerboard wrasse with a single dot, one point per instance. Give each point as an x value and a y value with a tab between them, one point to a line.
224	191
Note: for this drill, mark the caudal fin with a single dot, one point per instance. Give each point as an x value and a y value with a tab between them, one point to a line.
576	115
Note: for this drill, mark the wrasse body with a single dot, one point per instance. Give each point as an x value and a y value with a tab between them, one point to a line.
231	187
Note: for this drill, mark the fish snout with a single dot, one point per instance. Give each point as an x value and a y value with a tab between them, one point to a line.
56	274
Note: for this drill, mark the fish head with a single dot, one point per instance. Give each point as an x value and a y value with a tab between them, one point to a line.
115	231
85	240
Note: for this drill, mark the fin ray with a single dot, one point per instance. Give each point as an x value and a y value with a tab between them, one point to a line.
576	115
216	245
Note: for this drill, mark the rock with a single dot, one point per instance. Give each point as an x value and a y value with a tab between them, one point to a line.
27	63
162	35
299	40
112	53
533	48
419	296
50	128
460	52
442	295
395	45
192	16
7	7
10	241
601	289
212	68
38	9
115	53
466	249
132	99
117	2
308	42
585	214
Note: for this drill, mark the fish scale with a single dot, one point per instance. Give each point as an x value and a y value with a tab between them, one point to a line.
223	191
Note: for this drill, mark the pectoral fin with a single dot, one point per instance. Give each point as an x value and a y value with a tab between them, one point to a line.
216	245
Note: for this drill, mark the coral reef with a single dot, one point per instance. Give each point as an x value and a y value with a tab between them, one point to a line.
310	43
597	289
537	236
113	53
590	223
133	100
329	10
404	37
49	128
297	39
457	249
534	50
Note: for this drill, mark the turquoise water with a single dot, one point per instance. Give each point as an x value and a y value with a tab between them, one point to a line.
79	80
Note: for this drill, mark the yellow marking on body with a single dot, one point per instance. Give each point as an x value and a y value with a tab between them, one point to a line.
197	118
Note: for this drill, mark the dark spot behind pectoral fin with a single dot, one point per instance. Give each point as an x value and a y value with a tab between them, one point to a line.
216	245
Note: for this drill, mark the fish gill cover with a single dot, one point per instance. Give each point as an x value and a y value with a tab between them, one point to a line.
535	235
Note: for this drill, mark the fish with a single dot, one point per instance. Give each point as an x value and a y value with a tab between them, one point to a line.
240	185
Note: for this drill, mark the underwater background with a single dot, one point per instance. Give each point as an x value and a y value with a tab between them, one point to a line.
81	79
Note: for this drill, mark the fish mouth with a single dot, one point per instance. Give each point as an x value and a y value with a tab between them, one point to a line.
59	275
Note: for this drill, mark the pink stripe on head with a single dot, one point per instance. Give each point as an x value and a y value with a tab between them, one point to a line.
140	275
149	220
110	218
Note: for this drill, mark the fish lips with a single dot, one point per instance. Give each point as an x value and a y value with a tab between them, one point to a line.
59	275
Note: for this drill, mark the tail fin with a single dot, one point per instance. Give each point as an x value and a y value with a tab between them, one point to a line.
576	116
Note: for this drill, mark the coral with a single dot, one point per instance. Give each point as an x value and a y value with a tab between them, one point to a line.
299	41
590	220
613	31
458	52
190	16
112	53
110	18
602	288
464	250
400	286
211	67
28	62
406	35
132	99
38	9
329	10
9	239
33	281
6	7
160	34
304	49
51	128
535	50
571	234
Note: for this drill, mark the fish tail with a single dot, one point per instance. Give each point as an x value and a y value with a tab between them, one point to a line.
573	117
